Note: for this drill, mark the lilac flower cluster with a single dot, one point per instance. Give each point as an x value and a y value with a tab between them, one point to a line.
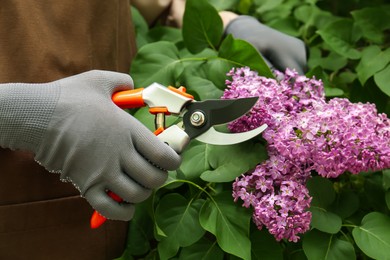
279	204
335	137
305	133
278	99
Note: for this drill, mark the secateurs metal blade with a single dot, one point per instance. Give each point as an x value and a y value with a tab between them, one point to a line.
198	119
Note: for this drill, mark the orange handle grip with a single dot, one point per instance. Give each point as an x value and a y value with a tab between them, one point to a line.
129	98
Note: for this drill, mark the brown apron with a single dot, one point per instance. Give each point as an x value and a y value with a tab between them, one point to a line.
41	41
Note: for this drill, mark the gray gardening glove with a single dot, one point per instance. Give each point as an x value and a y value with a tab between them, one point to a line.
75	129
279	50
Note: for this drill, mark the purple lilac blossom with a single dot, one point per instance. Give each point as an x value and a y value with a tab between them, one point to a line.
305	133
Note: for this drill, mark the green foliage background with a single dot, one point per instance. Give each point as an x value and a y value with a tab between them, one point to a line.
193	215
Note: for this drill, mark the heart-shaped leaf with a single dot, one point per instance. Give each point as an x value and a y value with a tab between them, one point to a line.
156	62
318	245
202	26
229	223
382	79
323	196
178	218
341	35
241	53
228	162
373	60
373	236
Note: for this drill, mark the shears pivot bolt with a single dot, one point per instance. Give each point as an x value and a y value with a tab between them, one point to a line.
197	118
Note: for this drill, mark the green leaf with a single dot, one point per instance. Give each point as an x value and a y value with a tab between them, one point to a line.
195	160
202	56
268	5
159	233
172	181
318	245
141	27
382	79
319	73
203	249
387	198
293	251
346	203
222	5
145	118
333	61
280	11
323	196
229	223
373	21
243	6
240	53
322	191
287	25
333	92
373	60
341	36
220	163
178	218
141	227
265	247
313	16
373	236
206	65
344	79
156	62
373	197
203	88
215	70
386	179
202	26
164	33
325	220
230	161
140	24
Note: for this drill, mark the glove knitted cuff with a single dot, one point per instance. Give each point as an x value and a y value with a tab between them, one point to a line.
25	111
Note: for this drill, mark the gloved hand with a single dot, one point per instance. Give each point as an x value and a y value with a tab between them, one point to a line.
279	50
75	129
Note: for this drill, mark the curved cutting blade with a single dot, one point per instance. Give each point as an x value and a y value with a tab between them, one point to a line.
212	136
216	112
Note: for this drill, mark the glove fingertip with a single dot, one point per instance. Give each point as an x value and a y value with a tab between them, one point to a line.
117	81
158	153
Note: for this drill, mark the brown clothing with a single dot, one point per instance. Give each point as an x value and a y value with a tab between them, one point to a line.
42	41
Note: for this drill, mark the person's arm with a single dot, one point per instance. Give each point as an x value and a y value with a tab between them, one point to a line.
171	11
73	128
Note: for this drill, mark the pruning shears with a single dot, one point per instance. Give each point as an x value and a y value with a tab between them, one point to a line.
197	119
